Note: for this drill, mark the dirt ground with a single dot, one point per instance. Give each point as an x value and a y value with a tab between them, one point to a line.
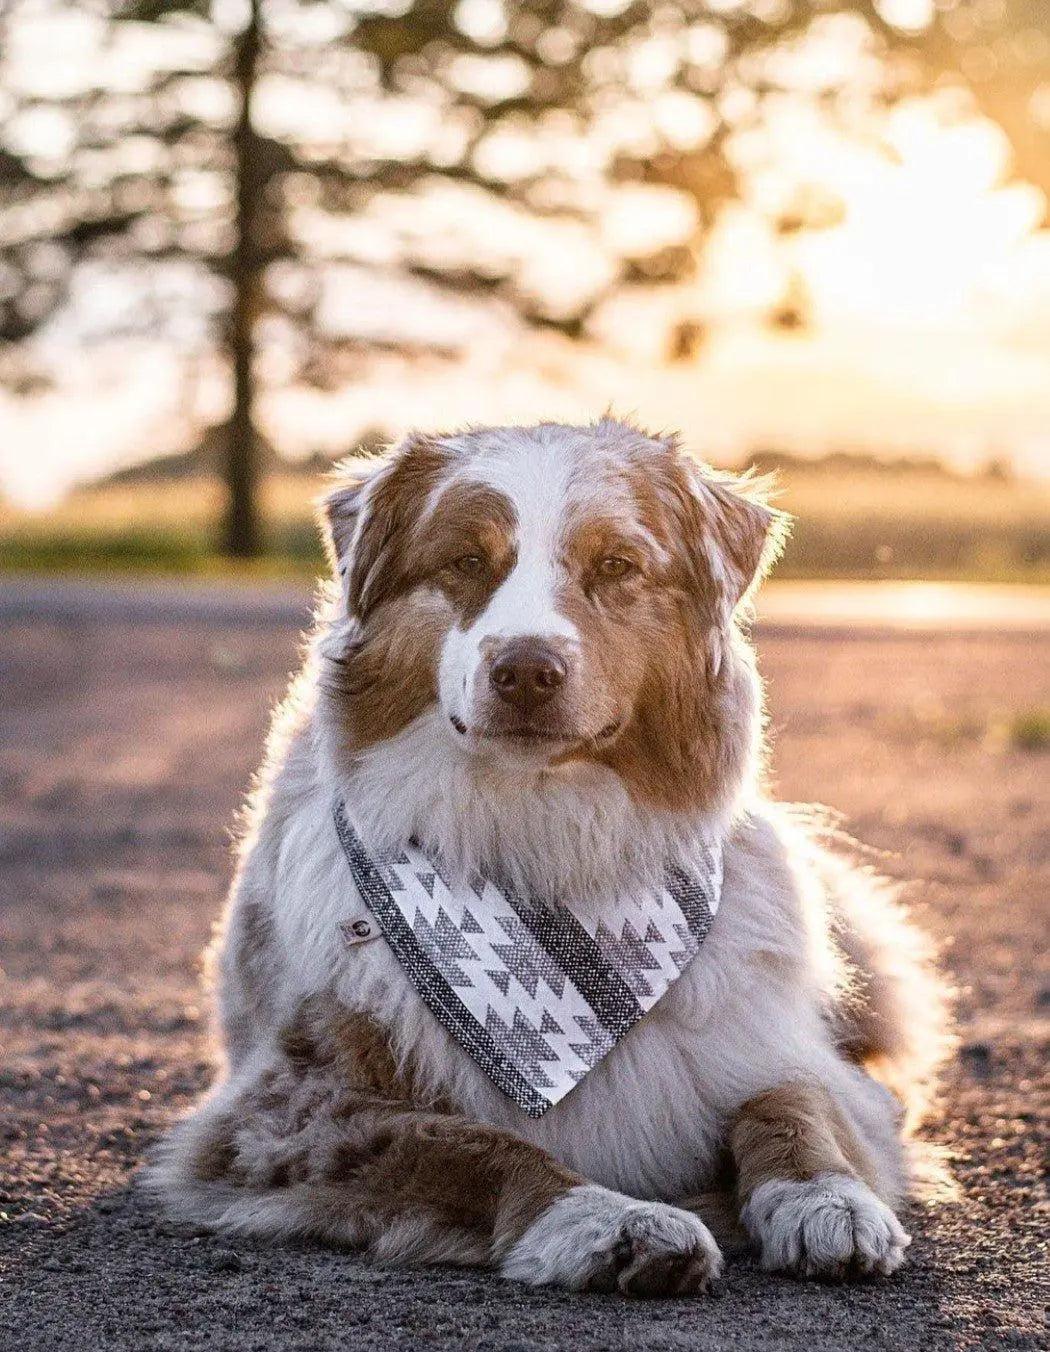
127	735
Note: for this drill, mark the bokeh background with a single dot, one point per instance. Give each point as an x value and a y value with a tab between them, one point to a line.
240	238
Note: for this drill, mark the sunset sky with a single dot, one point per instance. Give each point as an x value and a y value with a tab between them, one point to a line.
929	303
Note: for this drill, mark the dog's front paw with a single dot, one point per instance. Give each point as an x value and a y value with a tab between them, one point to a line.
828	1226
592	1239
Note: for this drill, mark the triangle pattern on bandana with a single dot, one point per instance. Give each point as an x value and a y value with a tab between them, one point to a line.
536	994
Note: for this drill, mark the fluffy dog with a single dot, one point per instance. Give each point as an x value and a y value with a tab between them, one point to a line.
531	665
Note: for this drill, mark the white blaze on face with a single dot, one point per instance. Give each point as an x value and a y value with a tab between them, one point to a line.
535	478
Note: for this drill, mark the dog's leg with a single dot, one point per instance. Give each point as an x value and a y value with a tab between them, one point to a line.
806	1188
414	1185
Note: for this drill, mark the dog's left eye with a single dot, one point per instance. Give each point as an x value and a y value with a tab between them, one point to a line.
470	565
614	566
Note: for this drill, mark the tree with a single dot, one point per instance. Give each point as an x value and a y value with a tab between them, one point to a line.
184	148
242	525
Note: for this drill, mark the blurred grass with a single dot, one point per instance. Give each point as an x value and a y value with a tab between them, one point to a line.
166	527
1025	729
852	522
866	523
1030	730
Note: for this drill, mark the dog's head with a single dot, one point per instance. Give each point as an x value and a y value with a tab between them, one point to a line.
557	593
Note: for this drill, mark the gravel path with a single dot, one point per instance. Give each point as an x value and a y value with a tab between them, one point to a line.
127	734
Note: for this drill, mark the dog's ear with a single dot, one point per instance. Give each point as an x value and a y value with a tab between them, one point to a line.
339	514
368	516
743	534
734	535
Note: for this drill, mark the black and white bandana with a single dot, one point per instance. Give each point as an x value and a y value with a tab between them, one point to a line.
536	994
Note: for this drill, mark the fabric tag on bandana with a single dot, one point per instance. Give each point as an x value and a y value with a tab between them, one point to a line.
536	994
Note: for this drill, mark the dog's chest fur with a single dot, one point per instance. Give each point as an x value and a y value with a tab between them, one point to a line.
650	1119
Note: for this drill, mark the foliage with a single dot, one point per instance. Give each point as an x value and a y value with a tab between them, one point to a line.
214	167
534	110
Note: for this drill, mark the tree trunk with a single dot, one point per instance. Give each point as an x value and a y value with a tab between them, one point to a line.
241	536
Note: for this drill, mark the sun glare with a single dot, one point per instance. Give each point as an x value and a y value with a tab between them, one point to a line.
922	231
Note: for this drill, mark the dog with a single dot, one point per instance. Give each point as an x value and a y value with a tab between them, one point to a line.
530	663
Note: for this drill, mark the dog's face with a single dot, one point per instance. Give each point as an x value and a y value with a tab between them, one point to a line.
559	593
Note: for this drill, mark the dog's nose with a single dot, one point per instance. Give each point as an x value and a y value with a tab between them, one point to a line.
527	673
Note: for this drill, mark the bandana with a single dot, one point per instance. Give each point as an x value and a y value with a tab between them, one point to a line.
537	994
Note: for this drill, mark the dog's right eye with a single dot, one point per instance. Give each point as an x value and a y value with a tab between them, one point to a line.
470	565
614	567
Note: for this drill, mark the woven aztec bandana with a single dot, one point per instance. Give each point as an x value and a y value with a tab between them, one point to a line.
536	994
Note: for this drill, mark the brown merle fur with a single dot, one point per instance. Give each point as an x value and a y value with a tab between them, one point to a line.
795	1132
338	1129
405	589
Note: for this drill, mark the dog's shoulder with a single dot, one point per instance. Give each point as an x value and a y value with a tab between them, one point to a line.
283	853
772	890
